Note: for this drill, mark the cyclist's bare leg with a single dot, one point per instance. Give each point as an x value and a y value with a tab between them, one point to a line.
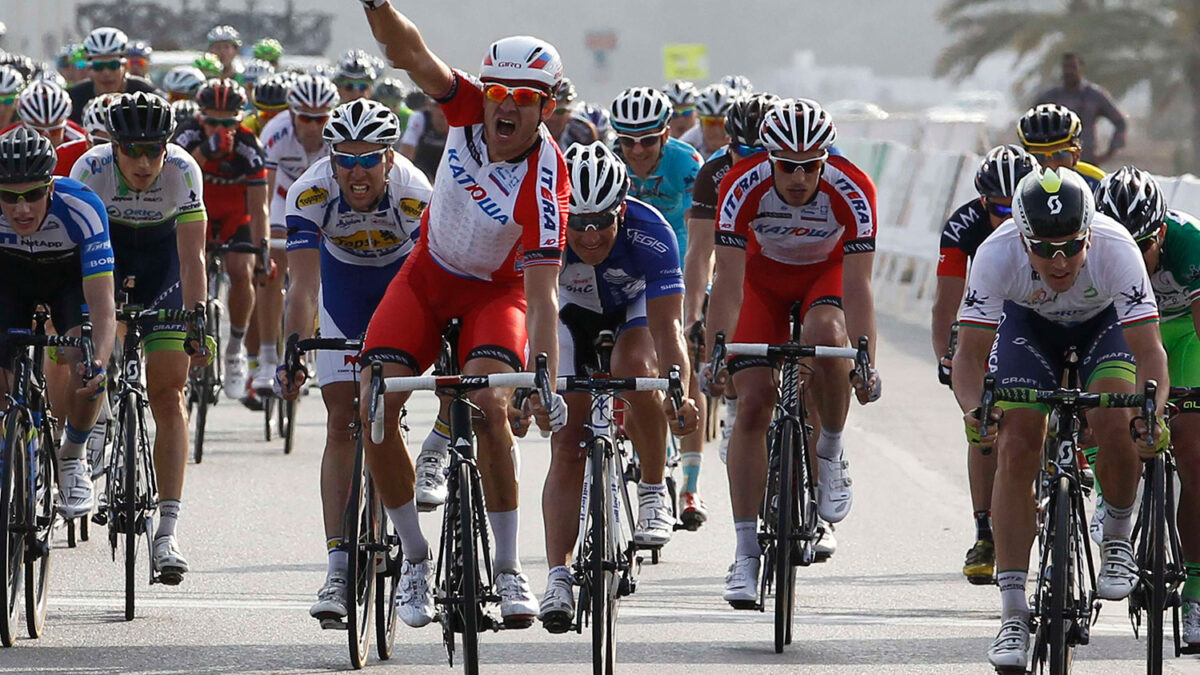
337	462
240	267
1018	454
270	303
981	474
1118	467
634	356
826	325
1185	431
747	460
497	463
564	482
391	468
166	375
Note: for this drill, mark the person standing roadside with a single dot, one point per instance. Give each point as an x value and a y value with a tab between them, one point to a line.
1091	102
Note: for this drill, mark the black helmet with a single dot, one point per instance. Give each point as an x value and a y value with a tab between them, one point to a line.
140	117
271	92
1052	203
1001	169
185	110
1049	124
26	156
745	116
1132	197
225	95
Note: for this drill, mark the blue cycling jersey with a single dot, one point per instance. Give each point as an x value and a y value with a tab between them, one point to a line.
76	221
669	187
644	261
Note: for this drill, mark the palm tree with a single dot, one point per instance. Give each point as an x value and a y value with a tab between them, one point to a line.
1125	42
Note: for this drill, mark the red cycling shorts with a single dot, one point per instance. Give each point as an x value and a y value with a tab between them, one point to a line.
771	287
406	327
228	213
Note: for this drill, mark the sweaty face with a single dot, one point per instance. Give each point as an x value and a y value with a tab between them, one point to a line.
25	216
511	129
798	188
1059	272
362	188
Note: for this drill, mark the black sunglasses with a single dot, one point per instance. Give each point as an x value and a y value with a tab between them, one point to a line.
34	194
790	166
597	222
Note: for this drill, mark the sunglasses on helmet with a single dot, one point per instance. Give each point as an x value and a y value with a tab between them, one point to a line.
520	95
1049	249
790	166
367	160
683	111
312	118
33	194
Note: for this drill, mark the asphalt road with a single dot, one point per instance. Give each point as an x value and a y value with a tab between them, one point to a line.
891	601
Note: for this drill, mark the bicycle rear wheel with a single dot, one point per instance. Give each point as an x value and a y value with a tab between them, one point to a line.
1154	572
359	526
785	521
37	570
268	413
1058	623
12	544
289	426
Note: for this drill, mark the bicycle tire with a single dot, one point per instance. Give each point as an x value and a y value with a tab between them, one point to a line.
201	392
359	522
129	429
289	431
469	578
600	581
268	414
1058	623
785	511
1156	566
37	573
387	584
12	544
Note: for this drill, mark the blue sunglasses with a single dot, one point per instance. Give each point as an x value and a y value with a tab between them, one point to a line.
999	210
367	160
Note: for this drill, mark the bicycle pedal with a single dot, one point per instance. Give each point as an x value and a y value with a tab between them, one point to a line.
35	550
982	581
1185	648
170	576
514	623
333	624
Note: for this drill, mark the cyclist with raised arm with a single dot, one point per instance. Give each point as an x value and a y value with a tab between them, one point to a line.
55	230
1061	276
352	220
235	197
964	231
292	143
1051	133
621	274
708	137
1170	243
490	252
154	193
797	226
682	95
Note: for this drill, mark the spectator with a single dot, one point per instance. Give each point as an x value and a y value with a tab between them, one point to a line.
1090	101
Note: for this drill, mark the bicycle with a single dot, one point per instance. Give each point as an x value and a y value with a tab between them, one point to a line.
1159	553
373	572
606	562
790	527
464	568
1064	602
131	494
28	477
633	475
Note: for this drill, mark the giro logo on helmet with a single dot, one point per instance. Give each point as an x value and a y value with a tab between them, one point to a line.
1054	204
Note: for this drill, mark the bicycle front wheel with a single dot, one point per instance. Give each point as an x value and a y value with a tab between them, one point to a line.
360	523
387	582
785	521
201	386
12	544
37	570
289	425
469	578
602	580
1058	623
1154	568
129	500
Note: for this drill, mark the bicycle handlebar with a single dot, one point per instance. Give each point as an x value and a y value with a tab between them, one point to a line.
1064	398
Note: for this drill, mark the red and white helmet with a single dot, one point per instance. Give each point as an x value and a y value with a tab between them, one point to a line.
798	125
44	104
522	59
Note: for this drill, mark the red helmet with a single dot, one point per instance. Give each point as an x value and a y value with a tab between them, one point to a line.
225	95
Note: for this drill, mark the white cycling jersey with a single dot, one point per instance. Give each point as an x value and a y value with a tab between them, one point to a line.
288	158
176	196
1114	274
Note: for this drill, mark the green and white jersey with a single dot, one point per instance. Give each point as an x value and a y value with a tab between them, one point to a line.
1176	280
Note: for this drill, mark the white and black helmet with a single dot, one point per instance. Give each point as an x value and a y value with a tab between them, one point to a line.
183	80
255	70
739	84
356	64
313	91
798	125
522	59
599	181
94	119
224	33
681	93
11	81
1053	203
714	100
1001	169
106	41
362	120
1133	198
640	109
52	77
44	104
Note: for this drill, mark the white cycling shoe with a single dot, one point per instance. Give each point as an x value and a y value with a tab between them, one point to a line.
558	604
237	369
330	608
834	494
414	598
655	523
1010	650
169	562
518	606
431	478
1118	570
75	490
741	583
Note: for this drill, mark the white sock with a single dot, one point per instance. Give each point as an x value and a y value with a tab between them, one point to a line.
562	572
168	517
339	559
408	528
1118	522
268	352
747	537
730	411
237	341
504	530
829	445
1013	601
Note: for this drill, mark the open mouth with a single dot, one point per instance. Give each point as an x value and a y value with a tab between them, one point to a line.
359	189
505	128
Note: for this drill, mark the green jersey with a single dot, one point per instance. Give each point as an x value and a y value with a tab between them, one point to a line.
1176	280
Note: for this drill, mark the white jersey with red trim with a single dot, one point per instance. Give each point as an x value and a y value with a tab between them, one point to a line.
285	154
487	219
753	215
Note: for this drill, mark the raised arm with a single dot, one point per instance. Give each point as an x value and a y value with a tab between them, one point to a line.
405	49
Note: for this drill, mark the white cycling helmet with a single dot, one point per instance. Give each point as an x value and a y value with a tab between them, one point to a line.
681	93
52	77
255	70
522	59
739	84
640	109
362	120
11	81
224	33
313	91
599	181
798	125
106	41
715	100
356	64
95	116
44	104
184	80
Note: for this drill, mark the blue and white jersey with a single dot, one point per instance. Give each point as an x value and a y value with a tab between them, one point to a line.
644	261
76	224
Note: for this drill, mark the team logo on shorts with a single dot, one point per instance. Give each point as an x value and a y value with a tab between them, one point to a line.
312	197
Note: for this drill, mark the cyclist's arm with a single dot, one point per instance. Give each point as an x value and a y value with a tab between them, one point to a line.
404	47
304	283
726	297
945	310
663	314
1145	341
697	267
257	197
541	318
857	298
98	292
970	363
